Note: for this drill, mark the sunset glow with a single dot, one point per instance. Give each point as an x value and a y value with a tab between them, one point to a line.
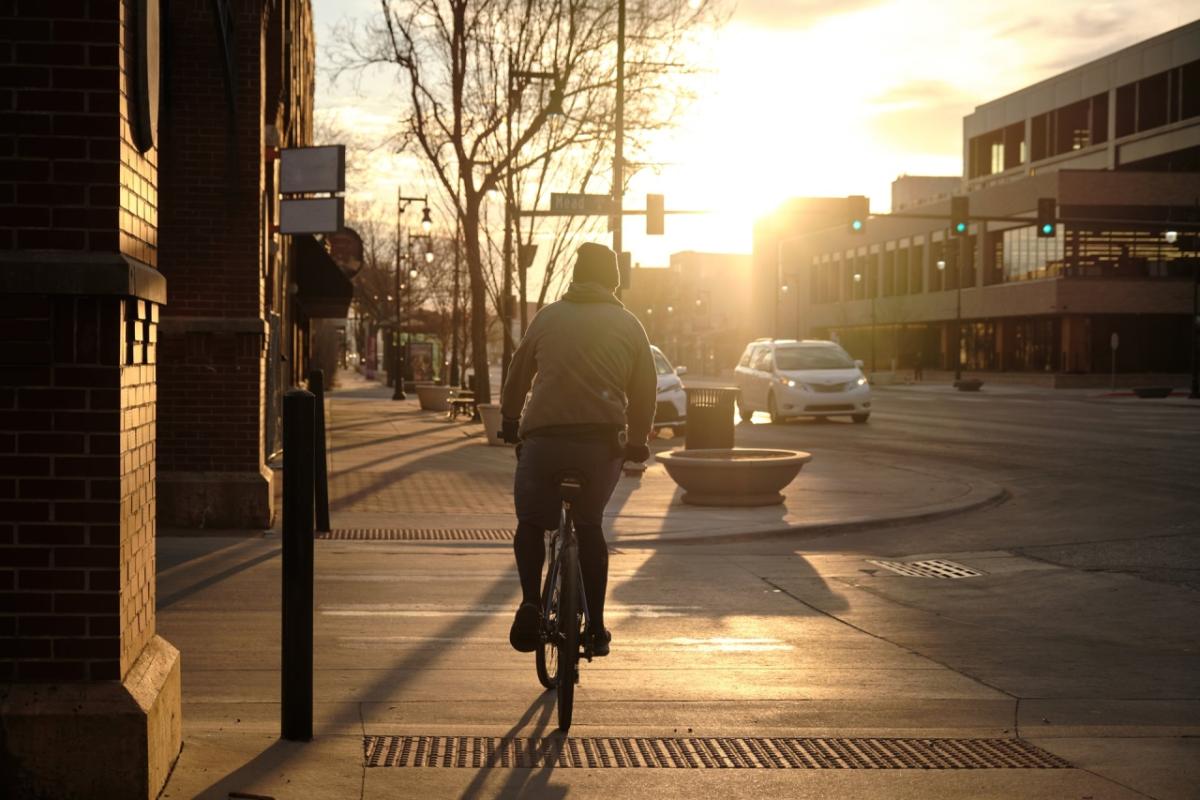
799	100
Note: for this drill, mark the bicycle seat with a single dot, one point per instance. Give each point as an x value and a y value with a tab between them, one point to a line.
570	484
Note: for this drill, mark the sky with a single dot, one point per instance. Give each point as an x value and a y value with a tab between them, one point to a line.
808	98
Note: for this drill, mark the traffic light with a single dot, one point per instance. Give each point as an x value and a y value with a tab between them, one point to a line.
858	208
959	212
655	210
1047	212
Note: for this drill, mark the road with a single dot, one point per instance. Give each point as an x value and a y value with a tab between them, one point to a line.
1079	636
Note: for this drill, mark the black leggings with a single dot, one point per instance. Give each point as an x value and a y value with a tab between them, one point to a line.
530	549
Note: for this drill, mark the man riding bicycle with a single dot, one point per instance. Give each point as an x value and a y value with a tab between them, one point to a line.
589	363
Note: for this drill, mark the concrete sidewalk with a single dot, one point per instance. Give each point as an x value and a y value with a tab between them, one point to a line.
395	466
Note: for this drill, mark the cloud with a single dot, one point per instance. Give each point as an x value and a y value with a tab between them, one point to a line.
920	92
780	14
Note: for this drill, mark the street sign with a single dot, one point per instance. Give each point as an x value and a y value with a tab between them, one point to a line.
563	203
318	215
312	169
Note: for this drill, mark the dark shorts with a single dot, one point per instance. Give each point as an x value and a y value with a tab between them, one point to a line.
542	458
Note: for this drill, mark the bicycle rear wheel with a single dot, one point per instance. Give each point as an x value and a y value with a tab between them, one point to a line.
547	654
568	629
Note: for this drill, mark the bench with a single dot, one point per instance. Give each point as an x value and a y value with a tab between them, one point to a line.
463	404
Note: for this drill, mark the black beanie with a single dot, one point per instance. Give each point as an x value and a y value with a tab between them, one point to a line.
595	263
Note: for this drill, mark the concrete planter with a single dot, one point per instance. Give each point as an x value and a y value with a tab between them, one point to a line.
490	414
968	384
735	477
434	398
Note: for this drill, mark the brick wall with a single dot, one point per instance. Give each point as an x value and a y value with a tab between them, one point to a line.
212	392
76	486
212	167
70	178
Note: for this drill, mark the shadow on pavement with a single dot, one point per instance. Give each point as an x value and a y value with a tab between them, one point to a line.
520	782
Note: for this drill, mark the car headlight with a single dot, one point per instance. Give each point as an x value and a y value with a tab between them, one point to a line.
791	384
862	380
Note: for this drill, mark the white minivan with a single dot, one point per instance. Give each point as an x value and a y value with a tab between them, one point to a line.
805	378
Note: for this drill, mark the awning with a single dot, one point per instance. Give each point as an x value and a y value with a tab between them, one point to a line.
324	290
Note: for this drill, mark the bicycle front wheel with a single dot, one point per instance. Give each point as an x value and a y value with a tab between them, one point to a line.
547	654
568	630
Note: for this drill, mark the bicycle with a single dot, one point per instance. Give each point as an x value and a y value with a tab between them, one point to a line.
566	629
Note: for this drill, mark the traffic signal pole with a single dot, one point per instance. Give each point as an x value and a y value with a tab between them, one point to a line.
618	187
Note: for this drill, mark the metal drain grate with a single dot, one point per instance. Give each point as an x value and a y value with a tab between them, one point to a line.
933	568
420	534
477	752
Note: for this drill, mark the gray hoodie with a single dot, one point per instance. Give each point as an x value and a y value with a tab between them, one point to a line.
589	363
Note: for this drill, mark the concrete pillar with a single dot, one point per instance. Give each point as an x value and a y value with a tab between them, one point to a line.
89	694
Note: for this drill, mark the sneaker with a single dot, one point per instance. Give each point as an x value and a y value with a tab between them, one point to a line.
525	635
601	643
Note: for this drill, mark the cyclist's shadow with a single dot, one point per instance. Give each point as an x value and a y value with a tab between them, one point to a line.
526	782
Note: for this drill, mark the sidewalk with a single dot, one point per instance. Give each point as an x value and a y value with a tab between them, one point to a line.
395	466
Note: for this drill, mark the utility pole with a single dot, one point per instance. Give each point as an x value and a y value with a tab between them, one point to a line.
454	377
618	189
398	355
964	256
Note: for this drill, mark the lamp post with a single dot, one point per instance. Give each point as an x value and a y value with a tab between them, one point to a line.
426	224
941	265
858	278
516	84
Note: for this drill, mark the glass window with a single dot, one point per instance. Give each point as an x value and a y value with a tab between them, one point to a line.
1190	90
761	360
746	356
1152	102
1100	118
1126	109
661	365
1041	136
812	357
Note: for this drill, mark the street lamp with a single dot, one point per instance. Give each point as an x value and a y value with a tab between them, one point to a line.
858	278
517	80
941	265
426	223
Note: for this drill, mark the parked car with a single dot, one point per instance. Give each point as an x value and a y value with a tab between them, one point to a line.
806	378
671	410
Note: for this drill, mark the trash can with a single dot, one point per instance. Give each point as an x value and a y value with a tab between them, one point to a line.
710	417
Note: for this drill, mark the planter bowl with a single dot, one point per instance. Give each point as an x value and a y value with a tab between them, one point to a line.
1152	392
490	414
733	477
433	397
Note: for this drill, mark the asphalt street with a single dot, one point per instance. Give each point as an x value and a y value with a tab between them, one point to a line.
1078	634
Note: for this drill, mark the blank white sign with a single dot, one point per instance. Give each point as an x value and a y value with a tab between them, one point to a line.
322	215
313	169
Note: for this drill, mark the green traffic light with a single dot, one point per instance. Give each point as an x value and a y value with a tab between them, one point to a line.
856	225
960	227
1047	229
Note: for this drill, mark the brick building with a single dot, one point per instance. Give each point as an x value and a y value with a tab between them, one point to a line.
120	414
236	331
80	298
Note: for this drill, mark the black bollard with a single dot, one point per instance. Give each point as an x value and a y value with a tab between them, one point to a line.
296	688
316	385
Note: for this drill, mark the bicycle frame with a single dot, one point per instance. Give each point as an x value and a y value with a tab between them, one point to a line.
559	540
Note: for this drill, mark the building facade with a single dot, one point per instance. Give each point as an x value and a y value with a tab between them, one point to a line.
237	331
696	309
1002	299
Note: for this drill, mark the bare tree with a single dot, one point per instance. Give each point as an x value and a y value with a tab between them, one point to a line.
461	63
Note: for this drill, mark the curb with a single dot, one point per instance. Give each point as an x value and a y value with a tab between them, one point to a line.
995	496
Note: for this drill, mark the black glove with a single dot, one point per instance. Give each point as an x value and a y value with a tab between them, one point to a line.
509	430
637	452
